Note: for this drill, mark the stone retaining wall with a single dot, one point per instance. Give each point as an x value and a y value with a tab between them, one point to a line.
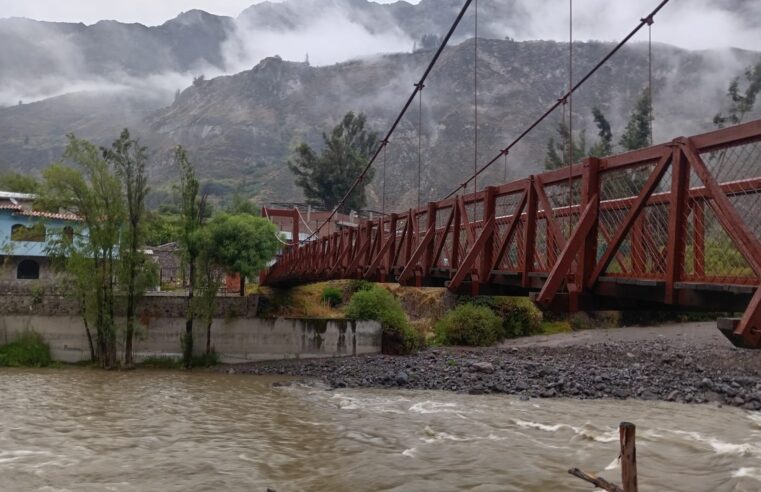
151	306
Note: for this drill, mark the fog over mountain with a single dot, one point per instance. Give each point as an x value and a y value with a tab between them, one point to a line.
247	108
44	59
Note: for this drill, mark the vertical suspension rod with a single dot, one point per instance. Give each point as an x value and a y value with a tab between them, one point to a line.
576	86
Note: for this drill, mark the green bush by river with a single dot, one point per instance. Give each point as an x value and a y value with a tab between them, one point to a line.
28	350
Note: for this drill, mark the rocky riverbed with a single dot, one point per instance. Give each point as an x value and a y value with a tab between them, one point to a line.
686	363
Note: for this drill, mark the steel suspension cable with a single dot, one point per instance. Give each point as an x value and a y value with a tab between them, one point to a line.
399	117
383	198
419	142
650	77
570	115
575	87
475	103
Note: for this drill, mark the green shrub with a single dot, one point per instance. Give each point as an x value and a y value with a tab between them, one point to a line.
380	305
520	317
469	324
332	296
581	321
28	350
356	285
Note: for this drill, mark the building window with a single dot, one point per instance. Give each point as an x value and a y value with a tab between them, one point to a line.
20	232
28	270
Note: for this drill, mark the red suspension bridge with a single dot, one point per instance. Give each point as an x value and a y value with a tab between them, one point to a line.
671	226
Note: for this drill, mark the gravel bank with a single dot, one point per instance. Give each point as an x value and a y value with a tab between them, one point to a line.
690	363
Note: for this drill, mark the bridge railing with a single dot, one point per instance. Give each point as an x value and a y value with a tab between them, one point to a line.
674	217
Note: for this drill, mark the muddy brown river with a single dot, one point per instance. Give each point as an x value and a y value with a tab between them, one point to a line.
86	430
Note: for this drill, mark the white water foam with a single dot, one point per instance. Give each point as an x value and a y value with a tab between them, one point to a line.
441	436
746	472
429	406
723	447
410	453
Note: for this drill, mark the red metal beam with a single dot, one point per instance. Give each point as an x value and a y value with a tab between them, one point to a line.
570	250
623	229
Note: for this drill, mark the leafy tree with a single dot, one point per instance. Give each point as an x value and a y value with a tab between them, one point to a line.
557	150
161	228
191	215
637	132
240	205
429	42
209	280
241	244
604	147
741	102
90	190
327	177
19	183
128	159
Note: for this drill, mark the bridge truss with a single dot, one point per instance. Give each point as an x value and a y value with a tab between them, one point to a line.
672	226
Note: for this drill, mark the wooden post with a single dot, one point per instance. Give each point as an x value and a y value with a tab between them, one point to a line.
628	457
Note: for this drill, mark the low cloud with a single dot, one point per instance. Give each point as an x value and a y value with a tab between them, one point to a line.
331	37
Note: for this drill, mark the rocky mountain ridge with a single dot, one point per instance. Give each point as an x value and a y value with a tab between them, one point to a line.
241	128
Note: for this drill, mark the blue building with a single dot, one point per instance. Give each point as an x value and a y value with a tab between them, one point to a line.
25	235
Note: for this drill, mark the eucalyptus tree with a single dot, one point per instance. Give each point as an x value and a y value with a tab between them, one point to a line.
88	188
128	159
191	217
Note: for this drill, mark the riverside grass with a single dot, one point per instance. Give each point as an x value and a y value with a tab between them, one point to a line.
28	350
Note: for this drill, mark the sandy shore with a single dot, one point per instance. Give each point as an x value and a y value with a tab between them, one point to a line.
691	363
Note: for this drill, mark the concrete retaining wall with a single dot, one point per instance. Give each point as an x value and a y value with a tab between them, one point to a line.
235	340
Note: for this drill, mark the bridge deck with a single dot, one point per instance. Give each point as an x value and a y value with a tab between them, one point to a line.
675	225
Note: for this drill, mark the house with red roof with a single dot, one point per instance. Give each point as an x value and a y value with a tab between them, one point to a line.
24	238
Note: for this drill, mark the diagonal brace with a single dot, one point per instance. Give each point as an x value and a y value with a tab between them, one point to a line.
570	250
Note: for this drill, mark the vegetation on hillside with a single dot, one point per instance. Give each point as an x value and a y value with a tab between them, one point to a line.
741	102
19	183
636	135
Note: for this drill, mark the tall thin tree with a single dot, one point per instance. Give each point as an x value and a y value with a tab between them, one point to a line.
191	208
128	159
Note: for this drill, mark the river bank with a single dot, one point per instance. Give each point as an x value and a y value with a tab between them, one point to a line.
686	363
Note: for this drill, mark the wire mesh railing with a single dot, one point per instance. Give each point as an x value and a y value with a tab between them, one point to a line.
686	211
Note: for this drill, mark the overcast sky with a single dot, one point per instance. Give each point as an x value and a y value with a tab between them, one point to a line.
148	12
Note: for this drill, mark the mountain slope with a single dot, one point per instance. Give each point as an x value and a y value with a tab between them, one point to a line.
244	126
240	129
